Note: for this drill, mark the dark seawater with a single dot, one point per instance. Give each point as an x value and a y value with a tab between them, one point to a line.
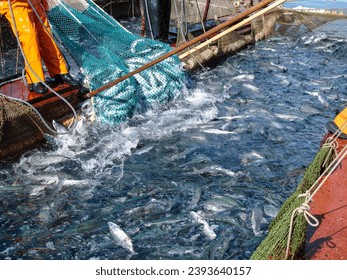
200	178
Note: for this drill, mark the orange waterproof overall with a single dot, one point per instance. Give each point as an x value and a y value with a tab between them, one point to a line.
35	39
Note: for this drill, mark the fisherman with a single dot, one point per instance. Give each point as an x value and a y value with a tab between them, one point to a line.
37	43
339	123
156	15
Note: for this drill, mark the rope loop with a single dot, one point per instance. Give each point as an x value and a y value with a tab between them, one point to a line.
332	144
304	209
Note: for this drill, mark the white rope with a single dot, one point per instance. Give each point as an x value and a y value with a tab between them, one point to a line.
333	146
184	17
338	132
200	17
74	123
179	16
332	143
54	132
149	19
305	208
179	21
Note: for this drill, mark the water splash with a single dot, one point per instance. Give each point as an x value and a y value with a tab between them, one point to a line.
231	147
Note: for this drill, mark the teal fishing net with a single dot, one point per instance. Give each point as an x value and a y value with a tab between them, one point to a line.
104	50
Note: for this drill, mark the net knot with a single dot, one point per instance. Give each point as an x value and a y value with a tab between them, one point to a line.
332	145
305	210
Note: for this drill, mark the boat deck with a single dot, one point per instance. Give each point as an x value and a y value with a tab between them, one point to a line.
328	240
49	105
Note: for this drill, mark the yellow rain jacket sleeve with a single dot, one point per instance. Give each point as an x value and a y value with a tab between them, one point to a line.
35	38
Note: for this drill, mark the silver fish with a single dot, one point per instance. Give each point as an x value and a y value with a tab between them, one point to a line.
195	199
206	228
257	215
218	131
121	238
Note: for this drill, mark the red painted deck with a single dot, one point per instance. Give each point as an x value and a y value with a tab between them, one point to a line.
49	105
329	240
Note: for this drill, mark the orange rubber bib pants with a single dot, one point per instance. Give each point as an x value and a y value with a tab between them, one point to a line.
36	40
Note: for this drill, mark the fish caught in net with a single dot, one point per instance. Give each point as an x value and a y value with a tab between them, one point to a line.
104	50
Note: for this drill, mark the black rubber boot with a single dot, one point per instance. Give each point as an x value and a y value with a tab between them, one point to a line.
66	79
38	88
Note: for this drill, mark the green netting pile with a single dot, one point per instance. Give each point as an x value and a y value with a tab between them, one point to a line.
274	246
104	50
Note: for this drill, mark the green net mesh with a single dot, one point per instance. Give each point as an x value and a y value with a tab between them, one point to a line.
104	50
274	246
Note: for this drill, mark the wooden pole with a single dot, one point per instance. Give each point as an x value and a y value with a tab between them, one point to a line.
184	46
207	8
233	28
